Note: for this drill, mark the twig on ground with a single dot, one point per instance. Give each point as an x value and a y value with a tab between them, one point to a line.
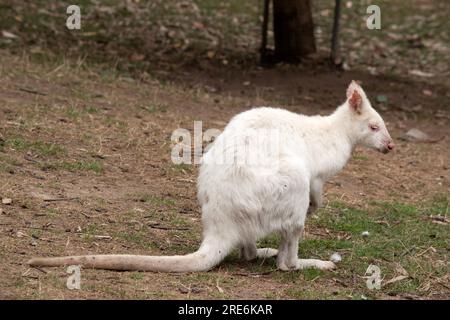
32	91
60	199
253	274
103	237
157	226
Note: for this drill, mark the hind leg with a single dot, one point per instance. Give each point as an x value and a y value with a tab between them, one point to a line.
288	250
288	254
315	195
250	252
293	226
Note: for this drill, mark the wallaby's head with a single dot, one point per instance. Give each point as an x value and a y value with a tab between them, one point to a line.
367	125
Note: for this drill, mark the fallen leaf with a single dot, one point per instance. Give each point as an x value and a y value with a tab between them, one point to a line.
421	73
395	279
198	25
21	234
218	287
399	269
9	35
137	57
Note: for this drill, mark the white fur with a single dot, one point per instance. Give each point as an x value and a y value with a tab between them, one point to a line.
242	203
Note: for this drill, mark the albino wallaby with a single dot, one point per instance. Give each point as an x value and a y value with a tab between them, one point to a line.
242	203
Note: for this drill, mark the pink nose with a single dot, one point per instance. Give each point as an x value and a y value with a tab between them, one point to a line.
391	145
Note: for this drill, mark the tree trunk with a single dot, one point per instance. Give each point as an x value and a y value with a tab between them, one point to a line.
293	29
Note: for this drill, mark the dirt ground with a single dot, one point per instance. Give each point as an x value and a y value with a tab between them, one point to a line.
85	159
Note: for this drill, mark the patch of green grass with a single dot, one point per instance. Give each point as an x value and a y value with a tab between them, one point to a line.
18	282
305	293
51	212
153	199
92	110
271	296
181	168
175	219
8	164
360	157
398	235
439	205
45	149
155	108
112	121
139	238
137	275
75	113
48	166
116	292
94	166
89	232
17	143
48	149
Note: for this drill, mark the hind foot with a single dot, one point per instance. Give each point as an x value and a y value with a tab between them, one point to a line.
266	253
251	252
306	263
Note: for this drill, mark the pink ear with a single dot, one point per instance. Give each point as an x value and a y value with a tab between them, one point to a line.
355	102
354	96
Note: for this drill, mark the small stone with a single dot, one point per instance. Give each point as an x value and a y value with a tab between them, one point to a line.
183	290
6	201
365	233
415	135
335	257
34	243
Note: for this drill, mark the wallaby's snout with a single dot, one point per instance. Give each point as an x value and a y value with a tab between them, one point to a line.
390	145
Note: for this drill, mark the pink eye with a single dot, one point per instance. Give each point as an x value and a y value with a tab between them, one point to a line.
374	127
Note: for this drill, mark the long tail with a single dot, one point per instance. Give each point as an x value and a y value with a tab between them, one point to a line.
206	257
